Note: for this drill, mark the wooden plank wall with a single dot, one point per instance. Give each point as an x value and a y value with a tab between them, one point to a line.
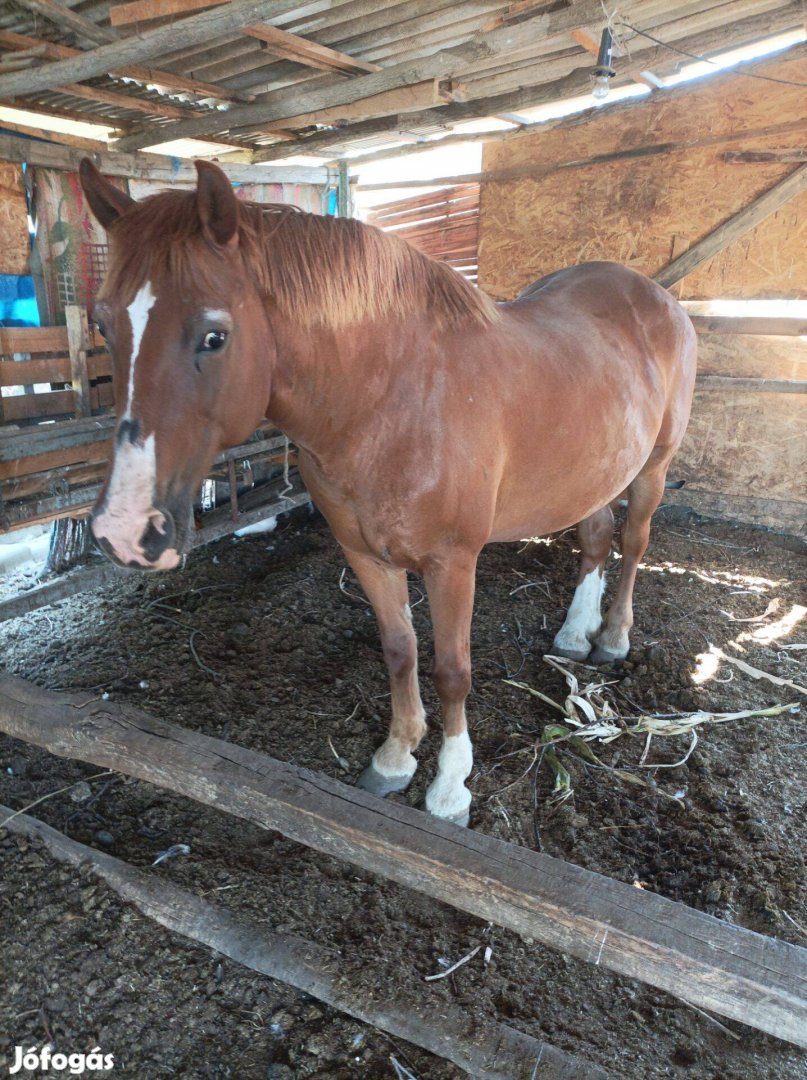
46	353
745	455
443	224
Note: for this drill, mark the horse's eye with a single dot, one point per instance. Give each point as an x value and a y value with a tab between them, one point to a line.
101	330
213	341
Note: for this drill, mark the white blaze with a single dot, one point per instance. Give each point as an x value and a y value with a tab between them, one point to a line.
138	312
128	507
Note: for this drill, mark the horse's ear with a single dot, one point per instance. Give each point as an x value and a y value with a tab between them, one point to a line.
106	201
218	206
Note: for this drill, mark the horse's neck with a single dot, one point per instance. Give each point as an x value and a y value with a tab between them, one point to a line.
327	383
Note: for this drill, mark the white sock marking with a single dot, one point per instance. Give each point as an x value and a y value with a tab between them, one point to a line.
138	312
447	795
583	620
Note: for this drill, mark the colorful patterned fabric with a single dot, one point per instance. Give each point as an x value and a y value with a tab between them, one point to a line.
69	256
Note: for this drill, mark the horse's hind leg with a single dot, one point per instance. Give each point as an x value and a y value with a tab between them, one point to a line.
583	619
393	764
450	585
644	495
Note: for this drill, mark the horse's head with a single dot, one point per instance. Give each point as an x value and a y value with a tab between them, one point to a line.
192	354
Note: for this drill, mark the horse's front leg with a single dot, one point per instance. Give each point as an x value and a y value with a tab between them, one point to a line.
393	764
450	585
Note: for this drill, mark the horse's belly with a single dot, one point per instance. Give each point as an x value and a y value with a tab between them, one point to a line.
556	487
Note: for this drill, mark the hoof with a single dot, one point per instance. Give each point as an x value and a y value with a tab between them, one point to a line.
377	784
606	656
570	653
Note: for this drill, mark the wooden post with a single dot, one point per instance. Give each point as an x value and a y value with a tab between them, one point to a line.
343	190
78	342
717	966
233	484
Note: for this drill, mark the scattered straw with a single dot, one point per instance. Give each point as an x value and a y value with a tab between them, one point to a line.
450	970
590	716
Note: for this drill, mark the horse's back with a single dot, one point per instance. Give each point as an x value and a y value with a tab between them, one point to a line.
614	366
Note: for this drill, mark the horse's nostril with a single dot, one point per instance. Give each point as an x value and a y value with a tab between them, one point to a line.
158	536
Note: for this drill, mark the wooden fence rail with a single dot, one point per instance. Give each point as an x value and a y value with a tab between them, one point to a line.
739	974
484	1048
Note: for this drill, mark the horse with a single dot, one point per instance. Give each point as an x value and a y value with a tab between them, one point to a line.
429	420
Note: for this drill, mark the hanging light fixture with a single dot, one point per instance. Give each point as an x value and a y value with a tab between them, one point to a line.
603	73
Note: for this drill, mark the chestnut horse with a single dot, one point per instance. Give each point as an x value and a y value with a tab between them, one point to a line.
429	420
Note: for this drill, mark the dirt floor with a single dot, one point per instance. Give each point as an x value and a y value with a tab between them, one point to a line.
288	663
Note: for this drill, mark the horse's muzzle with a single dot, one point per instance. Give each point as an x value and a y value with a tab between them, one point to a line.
155	548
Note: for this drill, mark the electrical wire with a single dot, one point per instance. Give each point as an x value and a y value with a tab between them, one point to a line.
704	59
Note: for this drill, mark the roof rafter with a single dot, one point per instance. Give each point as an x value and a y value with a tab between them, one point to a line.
284	103
167	79
155	42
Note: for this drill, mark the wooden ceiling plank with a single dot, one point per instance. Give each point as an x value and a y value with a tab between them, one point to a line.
442	64
145	10
155	42
70	20
292	47
124	101
168	79
528	96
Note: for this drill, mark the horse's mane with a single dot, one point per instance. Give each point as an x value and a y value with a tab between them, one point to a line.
319	270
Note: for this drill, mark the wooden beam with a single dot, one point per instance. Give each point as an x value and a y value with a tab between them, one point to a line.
413	98
443	64
577	81
324	140
146	10
741	157
146	75
736	226
149	166
53	136
715	965
538	171
755	386
479	1046
88	577
205	26
777	325
301	51
69	20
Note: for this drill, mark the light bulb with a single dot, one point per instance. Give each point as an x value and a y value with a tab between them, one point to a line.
601	87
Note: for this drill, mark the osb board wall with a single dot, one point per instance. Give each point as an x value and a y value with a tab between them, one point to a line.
631	210
750	449
749	356
13	221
